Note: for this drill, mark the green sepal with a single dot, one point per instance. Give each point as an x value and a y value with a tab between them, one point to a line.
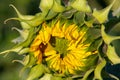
89	20
81	5
46	4
28	17
87	74
100	50
106	37
113	77
68	14
57	7
23	35
16	49
36	21
28	21
90	62
108	76
51	14
79	18
57	78
29	60
98	70
102	15
91	35
112	55
46	77
25	43
117	11
23	51
25	25
94	45
36	71
26	60
89	23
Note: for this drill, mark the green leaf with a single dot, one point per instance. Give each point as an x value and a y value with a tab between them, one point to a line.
81	5
112	55
36	72
108	38
46	4
98	70
102	15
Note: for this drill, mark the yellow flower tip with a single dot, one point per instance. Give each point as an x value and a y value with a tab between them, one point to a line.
61	47
57	31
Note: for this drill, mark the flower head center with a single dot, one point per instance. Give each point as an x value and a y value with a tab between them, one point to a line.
60	45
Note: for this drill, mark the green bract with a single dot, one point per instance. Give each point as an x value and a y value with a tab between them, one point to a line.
96	26
81	5
102	15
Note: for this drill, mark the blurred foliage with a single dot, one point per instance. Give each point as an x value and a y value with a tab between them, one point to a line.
9	70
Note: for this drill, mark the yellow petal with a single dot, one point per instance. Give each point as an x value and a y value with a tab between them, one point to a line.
68	32
54	60
37	41
50	57
36	53
44	36
57	31
51	52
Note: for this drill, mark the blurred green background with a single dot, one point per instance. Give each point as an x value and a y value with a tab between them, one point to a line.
9	70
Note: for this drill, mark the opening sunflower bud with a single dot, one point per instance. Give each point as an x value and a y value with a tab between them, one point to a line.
62	47
64	42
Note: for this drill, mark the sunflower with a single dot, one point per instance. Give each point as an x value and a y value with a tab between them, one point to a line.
66	40
61	46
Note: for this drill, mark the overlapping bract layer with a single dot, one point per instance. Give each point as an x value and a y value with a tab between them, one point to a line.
66	52
63	39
